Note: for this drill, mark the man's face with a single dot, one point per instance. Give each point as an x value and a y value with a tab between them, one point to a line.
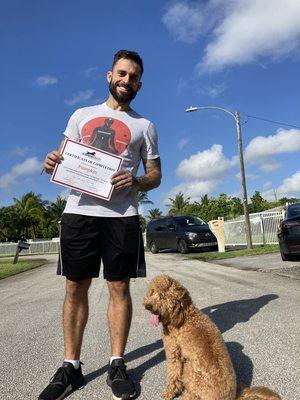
124	80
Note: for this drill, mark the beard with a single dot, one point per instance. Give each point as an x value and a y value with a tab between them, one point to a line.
121	97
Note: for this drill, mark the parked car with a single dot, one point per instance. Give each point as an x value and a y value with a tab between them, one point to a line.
289	233
180	233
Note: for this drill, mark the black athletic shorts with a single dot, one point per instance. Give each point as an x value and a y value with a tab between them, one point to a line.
86	241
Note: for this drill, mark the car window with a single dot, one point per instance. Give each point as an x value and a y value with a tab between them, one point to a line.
189	221
293	211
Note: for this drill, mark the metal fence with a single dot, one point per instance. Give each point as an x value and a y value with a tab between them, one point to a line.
264	228
36	247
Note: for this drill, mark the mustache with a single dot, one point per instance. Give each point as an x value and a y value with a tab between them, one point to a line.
124	86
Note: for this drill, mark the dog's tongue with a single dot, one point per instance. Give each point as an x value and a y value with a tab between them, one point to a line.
154	320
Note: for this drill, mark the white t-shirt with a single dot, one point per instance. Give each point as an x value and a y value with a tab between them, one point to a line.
124	133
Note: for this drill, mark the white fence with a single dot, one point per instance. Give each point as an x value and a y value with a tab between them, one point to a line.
36	247
264	228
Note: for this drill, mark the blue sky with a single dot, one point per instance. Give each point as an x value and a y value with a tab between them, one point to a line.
240	56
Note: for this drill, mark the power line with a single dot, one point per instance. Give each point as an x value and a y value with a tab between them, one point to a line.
274	122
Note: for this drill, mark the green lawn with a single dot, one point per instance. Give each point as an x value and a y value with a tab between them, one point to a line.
7	268
215	255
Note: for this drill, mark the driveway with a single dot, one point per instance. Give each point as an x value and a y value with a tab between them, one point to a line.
258	314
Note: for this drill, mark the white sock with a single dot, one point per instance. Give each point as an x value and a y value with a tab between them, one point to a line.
76	363
115	358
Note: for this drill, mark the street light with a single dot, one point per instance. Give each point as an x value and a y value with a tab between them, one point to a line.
237	118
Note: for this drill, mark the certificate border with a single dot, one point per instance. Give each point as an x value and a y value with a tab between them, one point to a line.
53	179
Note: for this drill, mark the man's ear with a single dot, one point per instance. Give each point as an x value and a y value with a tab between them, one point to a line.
108	76
140	85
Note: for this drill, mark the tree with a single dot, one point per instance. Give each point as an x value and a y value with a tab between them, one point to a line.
9	224
30	211
53	215
178	204
142	198
204	200
154	213
258	203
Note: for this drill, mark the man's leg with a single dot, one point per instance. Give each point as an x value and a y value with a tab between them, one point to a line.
119	319
75	316
119	315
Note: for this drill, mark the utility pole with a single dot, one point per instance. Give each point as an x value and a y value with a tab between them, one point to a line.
243	178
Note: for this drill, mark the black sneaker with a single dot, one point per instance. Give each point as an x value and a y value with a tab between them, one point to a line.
121	385
65	380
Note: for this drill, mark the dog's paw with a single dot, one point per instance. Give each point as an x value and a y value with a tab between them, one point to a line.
168	395
171	392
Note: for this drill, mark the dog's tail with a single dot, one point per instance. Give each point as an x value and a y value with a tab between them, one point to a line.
258	393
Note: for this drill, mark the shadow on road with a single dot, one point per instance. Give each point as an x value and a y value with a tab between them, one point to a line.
242	364
227	315
138	372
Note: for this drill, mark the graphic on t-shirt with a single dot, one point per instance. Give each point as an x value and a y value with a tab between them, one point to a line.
108	134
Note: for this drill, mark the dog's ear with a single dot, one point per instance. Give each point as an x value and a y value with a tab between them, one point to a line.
182	300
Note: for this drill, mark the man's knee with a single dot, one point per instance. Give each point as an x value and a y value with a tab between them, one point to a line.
77	289
119	289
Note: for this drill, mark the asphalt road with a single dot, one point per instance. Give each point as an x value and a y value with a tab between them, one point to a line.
258	314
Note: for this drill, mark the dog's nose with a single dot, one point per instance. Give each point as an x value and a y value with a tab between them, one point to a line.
148	307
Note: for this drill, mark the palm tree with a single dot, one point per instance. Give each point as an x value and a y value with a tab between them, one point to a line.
53	215
142	198
204	200
154	213
30	211
178	204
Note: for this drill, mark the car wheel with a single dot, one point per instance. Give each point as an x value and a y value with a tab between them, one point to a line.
153	248
182	247
285	257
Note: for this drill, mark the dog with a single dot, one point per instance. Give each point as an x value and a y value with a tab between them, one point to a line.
199	366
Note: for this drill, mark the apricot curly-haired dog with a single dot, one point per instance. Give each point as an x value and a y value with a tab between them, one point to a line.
199	366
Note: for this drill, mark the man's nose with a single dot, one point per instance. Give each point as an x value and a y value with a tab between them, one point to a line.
126	79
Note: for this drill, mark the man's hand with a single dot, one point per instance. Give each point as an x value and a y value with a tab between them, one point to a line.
124	179
51	160
151	180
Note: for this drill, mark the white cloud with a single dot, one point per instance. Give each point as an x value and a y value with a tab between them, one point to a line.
193	189
261	149
269	165
30	166
182	143
205	165
267	185
20	151
242	31
290	187
201	173
185	22
253	29
216	90
90	72
284	141
80	97
46	80
250	177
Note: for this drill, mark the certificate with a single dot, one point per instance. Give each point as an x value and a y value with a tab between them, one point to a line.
86	169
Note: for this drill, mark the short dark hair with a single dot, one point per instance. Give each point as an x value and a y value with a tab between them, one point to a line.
129	55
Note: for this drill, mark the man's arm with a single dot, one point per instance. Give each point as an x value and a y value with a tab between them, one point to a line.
53	158
150	180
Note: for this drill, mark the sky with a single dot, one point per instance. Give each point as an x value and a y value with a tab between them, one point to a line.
238	55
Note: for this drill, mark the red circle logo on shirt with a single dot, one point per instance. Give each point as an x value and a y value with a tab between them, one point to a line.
106	133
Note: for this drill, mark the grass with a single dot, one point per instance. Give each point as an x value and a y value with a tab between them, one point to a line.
7	268
215	255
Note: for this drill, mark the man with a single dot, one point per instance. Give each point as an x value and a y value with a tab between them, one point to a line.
93	229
